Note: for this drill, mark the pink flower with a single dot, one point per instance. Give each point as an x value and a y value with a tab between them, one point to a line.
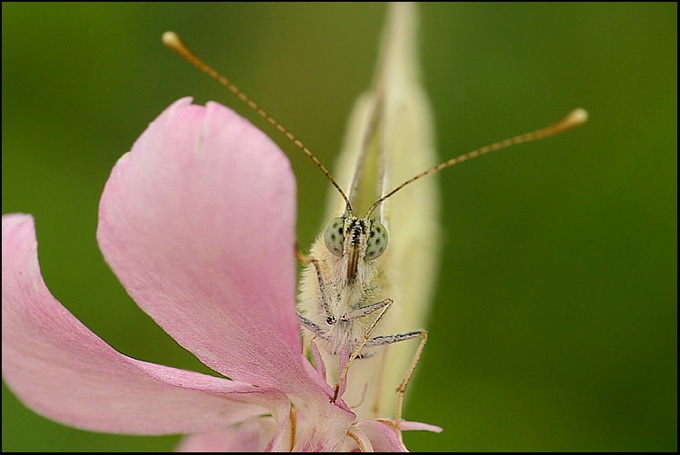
198	223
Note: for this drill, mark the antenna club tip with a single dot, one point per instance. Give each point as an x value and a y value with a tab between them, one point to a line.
578	116
171	39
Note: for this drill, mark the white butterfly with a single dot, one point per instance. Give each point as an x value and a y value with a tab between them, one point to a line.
369	280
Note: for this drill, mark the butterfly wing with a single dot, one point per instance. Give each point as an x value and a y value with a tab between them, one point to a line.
389	140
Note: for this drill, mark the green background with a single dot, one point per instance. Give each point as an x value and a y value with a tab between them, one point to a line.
555	321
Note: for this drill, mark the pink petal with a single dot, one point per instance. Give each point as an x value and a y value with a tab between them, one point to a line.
419	426
250	436
319	364
383	435
63	371
197	222
323	431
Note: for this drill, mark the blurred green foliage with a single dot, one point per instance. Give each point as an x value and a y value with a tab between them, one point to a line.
555	326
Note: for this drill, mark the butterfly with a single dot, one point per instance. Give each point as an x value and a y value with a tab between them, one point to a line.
370	273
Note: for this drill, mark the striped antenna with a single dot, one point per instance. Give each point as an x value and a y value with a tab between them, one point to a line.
173	41
572	120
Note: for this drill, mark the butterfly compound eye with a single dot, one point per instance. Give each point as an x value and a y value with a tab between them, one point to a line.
377	241
334	235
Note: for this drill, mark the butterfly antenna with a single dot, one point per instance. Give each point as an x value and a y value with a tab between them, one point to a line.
173	41
573	119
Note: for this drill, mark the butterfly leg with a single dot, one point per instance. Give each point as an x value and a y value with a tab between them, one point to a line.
324	307
300	256
323	302
312	327
360	346
316	332
386	340
366	310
